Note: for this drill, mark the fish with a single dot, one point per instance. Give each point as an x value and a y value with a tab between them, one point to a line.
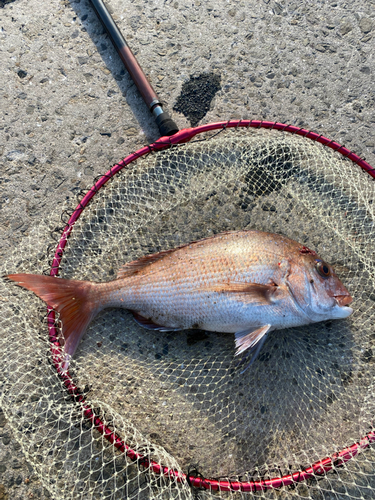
244	282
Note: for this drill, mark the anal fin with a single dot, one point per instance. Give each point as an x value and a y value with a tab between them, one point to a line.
150	325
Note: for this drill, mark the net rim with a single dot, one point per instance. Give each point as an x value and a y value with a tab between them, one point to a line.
319	467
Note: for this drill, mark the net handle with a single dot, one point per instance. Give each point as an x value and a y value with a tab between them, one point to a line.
318	468
164	122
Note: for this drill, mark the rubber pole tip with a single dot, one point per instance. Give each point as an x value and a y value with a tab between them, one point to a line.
166	125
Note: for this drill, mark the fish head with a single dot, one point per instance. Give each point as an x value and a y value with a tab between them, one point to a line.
318	290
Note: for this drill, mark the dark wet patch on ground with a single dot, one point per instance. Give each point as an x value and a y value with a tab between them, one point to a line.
4	2
196	96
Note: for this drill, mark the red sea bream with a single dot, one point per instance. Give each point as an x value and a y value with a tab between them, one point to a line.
244	282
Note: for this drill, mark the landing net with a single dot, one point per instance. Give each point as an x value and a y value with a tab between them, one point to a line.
174	405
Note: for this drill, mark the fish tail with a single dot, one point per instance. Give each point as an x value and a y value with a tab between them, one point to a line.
75	301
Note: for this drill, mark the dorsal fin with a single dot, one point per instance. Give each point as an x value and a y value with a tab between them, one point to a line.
135	266
132	268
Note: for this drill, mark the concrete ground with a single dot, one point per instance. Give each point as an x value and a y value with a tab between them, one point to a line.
69	109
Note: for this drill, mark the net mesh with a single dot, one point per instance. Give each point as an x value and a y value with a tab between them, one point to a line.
178	398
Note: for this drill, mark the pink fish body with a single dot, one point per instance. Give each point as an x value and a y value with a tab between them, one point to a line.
244	282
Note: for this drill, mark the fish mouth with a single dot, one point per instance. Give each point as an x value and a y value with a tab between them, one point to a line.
343	300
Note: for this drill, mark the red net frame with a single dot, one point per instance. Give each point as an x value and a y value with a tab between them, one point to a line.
319	467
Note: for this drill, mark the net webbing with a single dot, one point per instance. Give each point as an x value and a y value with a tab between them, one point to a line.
178	398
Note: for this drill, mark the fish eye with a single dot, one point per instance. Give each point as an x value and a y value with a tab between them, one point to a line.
323	269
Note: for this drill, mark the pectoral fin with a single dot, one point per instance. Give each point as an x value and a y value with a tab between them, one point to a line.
253	293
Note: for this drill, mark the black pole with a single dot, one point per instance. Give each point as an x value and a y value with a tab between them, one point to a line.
165	123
